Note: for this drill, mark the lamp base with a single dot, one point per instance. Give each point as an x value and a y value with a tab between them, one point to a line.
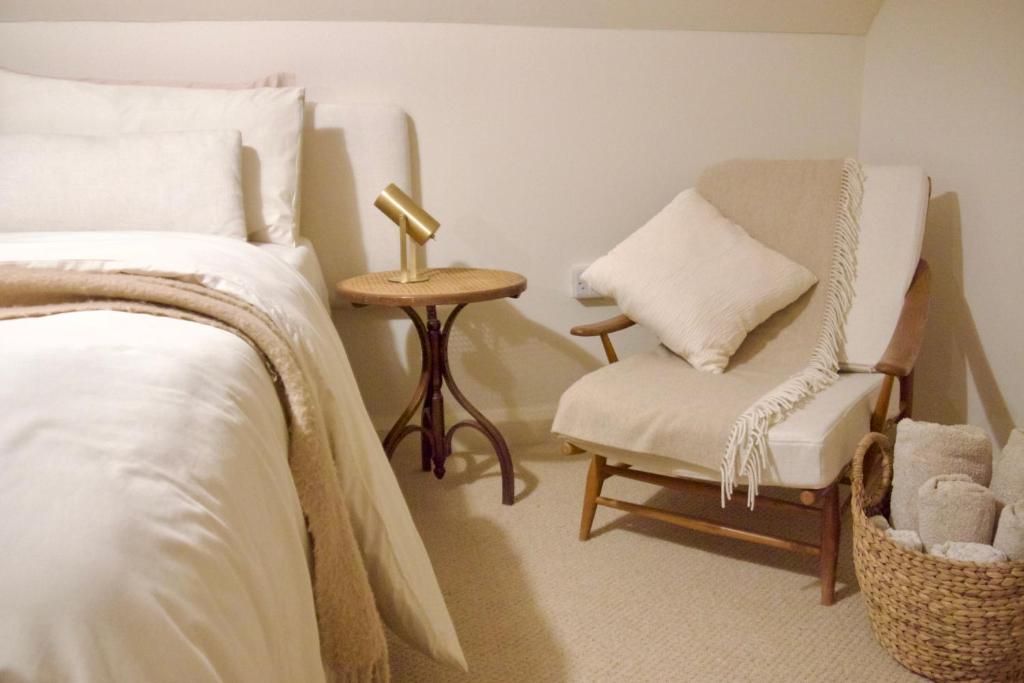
405	279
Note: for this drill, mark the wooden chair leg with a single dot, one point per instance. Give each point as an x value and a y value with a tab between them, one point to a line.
595	480
829	557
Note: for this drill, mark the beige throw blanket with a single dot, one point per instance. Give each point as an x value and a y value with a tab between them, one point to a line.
351	633
809	211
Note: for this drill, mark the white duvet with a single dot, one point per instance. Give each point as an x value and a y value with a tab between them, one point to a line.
149	528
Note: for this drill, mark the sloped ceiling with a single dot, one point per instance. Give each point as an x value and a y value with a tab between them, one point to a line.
776	16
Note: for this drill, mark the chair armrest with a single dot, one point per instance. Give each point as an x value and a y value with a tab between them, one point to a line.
619	322
603	329
901	355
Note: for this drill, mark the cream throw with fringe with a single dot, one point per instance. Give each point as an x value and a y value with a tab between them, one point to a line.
352	638
808	211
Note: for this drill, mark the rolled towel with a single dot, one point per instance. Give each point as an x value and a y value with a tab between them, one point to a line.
907	538
924	450
1008	470
1010	532
951	507
879	522
968	552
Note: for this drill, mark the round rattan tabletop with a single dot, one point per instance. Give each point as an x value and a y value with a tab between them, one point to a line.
445	286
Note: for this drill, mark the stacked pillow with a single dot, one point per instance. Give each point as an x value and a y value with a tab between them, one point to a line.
180	181
130	127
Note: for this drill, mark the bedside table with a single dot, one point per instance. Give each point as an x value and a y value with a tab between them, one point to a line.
458	287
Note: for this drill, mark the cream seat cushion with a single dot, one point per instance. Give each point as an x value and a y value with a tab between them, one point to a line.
627	412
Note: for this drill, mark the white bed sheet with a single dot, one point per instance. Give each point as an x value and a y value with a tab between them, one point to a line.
152	531
302	257
146	536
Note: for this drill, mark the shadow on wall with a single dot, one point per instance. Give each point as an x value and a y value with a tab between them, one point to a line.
326	210
505	363
386	373
331	220
952	345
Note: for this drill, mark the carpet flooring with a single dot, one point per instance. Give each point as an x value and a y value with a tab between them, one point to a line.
640	601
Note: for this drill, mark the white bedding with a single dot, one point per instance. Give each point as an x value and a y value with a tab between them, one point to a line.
302	258
150	527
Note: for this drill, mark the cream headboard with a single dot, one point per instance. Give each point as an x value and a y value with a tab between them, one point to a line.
350	153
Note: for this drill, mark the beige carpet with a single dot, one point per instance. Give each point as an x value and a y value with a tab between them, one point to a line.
640	601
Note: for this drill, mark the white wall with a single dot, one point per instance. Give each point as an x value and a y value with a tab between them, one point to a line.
944	88
537	148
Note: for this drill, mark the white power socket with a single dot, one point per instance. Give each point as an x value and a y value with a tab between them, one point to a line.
580	289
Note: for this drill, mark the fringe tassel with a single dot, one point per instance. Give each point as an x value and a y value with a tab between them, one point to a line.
748	440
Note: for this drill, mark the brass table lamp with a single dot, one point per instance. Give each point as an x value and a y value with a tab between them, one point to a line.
413	222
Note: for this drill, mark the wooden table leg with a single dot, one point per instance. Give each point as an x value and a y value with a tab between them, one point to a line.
435	441
402	428
433	407
478	421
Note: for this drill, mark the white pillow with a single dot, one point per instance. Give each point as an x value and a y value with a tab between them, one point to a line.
697	280
269	119
179	181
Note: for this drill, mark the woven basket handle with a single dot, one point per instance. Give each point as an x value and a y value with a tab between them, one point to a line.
857	472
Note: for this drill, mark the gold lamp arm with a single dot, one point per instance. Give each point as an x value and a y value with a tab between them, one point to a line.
403	238
410	266
414	266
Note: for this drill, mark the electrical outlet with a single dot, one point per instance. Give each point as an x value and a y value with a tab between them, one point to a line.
580	289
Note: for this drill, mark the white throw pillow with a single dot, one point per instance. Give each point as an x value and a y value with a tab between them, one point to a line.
179	181
697	280
269	119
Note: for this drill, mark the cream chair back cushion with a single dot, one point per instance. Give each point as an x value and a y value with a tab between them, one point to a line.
891	231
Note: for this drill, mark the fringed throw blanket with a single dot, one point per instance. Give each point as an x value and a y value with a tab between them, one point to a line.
351	634
809	211
658	404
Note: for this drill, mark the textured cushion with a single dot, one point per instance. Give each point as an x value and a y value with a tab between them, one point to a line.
269	119
891	230
807	449
182	181
697	280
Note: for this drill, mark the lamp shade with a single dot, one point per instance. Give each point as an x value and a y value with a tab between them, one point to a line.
395	204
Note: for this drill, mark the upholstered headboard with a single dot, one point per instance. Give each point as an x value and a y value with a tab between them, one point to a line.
350	153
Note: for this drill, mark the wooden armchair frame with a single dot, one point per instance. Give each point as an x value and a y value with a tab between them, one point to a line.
897	363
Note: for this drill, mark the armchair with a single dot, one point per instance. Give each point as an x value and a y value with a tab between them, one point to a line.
812	448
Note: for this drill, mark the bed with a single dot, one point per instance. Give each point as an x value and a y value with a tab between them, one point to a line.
152	523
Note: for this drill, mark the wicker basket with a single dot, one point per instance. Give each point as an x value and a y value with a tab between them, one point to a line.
947	620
